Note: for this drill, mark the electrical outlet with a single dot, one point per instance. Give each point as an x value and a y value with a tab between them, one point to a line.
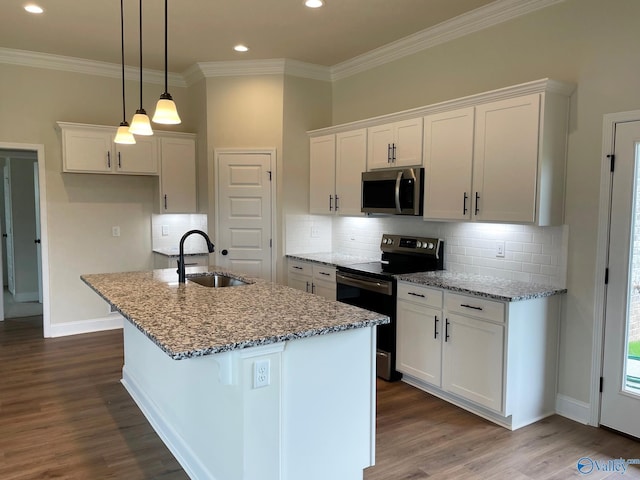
115	231
165	230
261	373
315	232
499	248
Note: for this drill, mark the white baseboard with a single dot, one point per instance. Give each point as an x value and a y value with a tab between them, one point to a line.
171	438
26	297
573	409
112	322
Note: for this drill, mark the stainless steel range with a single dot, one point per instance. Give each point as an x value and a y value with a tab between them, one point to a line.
372	286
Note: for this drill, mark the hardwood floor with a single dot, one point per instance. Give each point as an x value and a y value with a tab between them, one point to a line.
65	415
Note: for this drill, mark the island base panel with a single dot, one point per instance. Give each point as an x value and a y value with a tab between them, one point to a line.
315	419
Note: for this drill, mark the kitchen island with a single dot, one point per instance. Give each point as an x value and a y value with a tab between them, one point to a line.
258	381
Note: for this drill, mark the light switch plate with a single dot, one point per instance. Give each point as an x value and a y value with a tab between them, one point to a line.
499	248
115	231
165	230
315	232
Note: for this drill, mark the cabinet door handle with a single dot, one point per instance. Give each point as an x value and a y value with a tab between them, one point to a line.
393	153
337	198
307	289
296	267
464	203
165	201
330	203
435	326
477	208
388	153
470	306
119	161
417	294
108	159
446	329
325	274
313	288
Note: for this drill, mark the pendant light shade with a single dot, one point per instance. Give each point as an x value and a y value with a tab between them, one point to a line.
166	111
140	125
123	135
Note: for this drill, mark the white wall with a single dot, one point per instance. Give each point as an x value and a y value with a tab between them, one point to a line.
592	43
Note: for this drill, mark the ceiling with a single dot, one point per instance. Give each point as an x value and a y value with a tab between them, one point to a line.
207	30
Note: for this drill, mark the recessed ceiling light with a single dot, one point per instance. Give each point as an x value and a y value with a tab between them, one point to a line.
31	8
314	3
241	48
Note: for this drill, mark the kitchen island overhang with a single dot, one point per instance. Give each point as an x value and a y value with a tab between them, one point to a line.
314	418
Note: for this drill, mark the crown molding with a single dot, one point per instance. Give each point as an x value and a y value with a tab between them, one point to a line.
276	66
49	61
465	24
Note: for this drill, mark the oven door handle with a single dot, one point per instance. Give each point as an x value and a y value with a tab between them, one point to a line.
383	287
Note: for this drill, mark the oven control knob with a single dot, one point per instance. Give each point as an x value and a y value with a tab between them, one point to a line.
430	246
385	240
390	241
419	244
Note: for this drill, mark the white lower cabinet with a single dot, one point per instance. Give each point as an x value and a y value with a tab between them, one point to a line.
312	278
496	359
472	359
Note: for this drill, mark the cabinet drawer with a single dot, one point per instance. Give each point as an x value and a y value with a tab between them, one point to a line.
419	294
474	306
326	274
300	268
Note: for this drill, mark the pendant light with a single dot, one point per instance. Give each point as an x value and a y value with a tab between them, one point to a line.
123	135
166	111
140	125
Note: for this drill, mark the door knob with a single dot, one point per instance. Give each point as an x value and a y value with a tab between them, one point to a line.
37	240
224	252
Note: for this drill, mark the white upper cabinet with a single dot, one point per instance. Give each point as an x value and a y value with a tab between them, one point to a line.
178	174
505	167
322	174
140	158
397	144
90	149
448	162
351	161
336	166
498	161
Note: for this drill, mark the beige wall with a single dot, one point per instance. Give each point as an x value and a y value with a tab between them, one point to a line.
307	106
81	208
589	42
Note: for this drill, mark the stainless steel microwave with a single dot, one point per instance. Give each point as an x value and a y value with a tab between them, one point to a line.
393	191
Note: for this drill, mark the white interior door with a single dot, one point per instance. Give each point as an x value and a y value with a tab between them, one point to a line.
620	401
243	205
36	189
8	209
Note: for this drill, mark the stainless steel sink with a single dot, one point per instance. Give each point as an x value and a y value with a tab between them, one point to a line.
216	280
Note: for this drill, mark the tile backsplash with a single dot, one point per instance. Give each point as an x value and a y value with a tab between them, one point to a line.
175	226
532	254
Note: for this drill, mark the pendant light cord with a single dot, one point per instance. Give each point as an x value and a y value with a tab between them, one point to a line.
140	54
124	109
166	62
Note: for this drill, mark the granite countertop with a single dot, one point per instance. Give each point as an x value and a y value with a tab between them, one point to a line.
175	252
333	259
189	320
483	286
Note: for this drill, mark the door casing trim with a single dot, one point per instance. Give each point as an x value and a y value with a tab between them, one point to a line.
610	120
214	166
44	231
